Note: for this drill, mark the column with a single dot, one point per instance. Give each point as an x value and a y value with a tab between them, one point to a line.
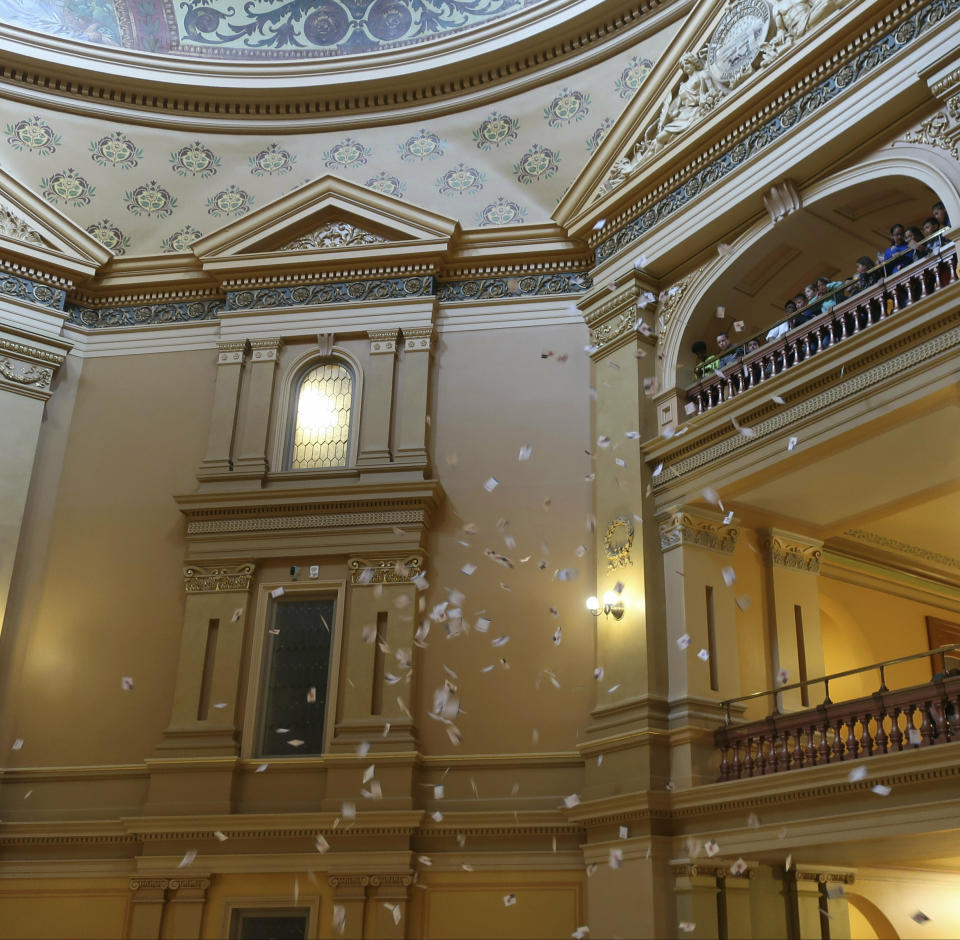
223	417
27	368
381	922
697	546
793	591
414	388
187	897
629	723
818	903
349	894
737	904
146	907
696	890
377	410
252	460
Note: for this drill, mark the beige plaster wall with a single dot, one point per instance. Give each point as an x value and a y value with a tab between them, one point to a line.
493	393
59	907
753	636
863	626
884	901
107	600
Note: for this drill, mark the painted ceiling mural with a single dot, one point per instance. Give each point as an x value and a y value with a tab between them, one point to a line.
142	191
256	29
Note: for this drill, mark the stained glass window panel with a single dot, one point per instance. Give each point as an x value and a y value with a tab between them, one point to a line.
321	431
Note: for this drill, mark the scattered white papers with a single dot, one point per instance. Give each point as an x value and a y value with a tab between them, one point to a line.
421	582
792	443
237	614
599	224
721	312
126	683
915	737
788	863
369	773
295	742
437	816
857	773
348	810
729	576
738	326
572	800
394	911
188	858
509	900
220	836
557	636
598	673
753	821
482	625
738	867
919	917
724	250
277	592
491	484
711	848
312	694
777	400
580	933
438	792
321	844
624	831
690	407
743	602
500	641
525	452
261	768
686	926
616	858
683	641
881	790
657	470
339	917
728	518
783	677
703	655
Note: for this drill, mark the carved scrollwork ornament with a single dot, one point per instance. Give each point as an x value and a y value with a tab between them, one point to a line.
617	543
385	570
215	579
23	374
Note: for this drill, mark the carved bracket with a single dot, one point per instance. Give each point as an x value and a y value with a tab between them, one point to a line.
684	528
792	552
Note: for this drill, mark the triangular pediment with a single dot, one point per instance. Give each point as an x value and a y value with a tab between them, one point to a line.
324	216
35	234
693	95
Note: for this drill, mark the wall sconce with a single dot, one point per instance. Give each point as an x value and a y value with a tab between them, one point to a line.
613	605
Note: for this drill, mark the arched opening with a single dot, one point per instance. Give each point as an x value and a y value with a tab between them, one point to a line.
867	921
321	417
823	239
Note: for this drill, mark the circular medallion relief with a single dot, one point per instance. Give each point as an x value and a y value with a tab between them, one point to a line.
736	41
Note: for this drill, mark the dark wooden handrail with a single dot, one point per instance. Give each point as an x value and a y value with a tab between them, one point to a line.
887	297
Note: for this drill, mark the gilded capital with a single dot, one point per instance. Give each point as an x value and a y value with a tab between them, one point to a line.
683	527
217	578
27	369
784	550
417	339
398	569
231	353
265	350
383	341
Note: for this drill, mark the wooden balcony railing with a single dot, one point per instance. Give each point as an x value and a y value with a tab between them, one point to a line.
918	716
852	316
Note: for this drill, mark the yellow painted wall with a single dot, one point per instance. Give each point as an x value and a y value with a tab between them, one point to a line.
109	595
863	626
753	637
889	898
461	905
61	907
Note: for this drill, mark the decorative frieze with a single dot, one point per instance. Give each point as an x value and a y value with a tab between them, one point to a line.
308	521
342	292
217	578
99	318
26	374
869	51
903	548
785	550
682	527
21	288
395	570
496	288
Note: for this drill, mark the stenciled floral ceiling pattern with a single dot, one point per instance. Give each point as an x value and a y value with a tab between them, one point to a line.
141	190
256	29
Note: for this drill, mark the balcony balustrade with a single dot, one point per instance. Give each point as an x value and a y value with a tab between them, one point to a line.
882	723
848	318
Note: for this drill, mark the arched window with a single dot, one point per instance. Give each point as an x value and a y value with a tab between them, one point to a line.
319	436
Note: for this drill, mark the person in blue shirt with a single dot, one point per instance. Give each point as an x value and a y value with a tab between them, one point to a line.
898	254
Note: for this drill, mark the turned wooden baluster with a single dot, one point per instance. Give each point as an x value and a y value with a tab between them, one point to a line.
896	735
811	753
724	766
853	746
953	722
866	742
748	760
881	739
926	729
838	740
823	751
798	751
735	767
939	721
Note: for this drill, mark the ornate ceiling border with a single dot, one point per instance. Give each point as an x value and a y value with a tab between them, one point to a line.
797	106
509	56
903	548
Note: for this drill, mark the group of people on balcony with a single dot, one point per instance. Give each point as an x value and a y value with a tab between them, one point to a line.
907	244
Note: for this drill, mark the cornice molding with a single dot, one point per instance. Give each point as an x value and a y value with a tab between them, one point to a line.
903	548
704	530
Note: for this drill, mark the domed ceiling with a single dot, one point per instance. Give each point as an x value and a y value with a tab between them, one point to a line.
256	29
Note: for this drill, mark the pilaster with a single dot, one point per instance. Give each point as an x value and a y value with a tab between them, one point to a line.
223	417
167	907
792	567
252	460
377	412
411	446
817	902
28	365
